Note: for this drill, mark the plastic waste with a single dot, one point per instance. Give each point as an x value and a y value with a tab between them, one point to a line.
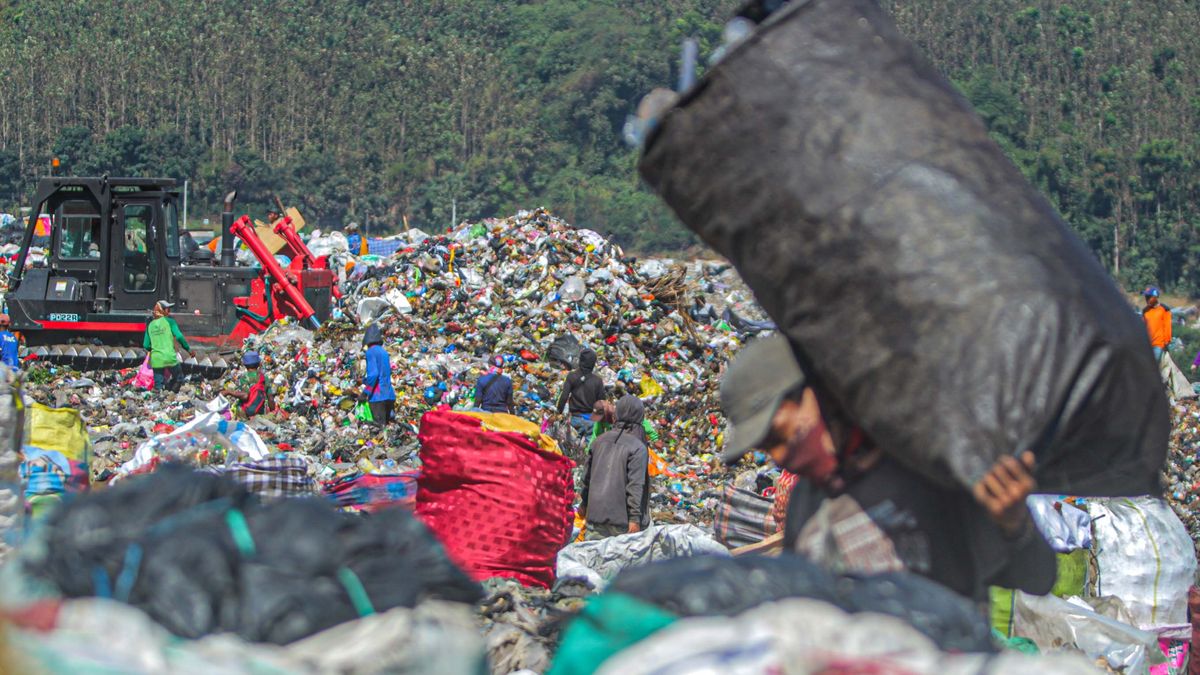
1145	557
708	585
1053	623
598	562
1066	527
573	289
765	639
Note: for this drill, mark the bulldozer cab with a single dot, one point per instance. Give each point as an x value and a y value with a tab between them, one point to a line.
109	245
111	252
114	247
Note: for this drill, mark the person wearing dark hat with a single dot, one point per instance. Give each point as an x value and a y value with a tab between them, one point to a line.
493	391
252	393
377	383
857	509
580	393
162	339
1158	322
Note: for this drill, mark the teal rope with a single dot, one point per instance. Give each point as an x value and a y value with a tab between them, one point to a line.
354	589
240	530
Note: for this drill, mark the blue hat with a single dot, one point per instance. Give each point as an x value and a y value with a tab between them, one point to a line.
1151	292
251	359
498	361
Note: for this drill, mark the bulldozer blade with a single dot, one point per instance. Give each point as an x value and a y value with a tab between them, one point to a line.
102	357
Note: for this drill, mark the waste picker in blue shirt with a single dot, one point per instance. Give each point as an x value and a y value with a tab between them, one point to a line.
9	345
377	383
493	391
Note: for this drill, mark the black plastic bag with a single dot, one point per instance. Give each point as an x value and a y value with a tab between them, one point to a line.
742	325
93	532
934	296
712	585
715	586
947	618
565	349
200	556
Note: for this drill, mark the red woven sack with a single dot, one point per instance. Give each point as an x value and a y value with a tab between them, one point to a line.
499	504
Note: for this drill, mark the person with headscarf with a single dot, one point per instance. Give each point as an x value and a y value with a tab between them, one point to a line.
163	339
377	383
580	393
251	391
616	484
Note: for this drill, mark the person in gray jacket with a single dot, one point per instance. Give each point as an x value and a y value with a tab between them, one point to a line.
616	492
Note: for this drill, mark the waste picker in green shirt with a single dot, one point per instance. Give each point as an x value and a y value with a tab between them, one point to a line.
604	415
162	336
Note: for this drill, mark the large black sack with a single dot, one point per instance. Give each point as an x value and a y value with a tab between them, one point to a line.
92	534
200	555
716	586
934	296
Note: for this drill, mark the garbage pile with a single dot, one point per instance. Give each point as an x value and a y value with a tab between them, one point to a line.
1181	473
529	288
223	558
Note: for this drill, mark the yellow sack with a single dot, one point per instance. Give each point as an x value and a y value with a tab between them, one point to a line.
59	430
514	424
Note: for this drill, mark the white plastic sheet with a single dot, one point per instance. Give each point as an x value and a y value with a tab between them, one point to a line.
415	236
573	289
1053	623
1178	386
1066	528
327	244
1145	557
370	309
104	636
600	561
242	442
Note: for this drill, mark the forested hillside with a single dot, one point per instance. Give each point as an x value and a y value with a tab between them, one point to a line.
1098	101
386	109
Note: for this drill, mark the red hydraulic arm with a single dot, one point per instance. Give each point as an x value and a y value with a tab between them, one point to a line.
300	251
244	230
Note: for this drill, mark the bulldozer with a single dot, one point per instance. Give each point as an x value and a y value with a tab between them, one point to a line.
115	247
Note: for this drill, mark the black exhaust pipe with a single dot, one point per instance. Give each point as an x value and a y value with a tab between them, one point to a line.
227	257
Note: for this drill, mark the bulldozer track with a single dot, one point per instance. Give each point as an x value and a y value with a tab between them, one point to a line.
99	357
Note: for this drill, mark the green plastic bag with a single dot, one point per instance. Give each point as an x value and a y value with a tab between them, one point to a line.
1001	610
608	624
1072	572
1016	644
362	412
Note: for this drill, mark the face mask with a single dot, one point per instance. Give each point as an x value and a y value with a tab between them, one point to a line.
808	458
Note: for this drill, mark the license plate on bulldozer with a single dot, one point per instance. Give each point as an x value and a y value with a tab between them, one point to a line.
63	317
